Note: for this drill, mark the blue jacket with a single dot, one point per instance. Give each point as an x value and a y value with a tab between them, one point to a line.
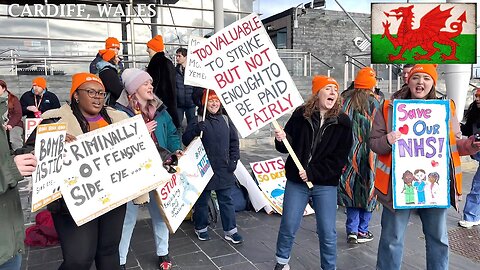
222	146
166	132
93	65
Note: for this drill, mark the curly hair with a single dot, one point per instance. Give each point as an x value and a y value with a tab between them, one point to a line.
311	107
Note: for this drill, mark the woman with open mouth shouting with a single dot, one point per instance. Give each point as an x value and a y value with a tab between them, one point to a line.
321	136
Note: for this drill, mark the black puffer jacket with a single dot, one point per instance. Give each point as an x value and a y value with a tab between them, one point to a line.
324	154
47	102
109	76
222	146
163	74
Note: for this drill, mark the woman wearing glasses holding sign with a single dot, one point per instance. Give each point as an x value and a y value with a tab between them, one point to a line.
98	239
421	82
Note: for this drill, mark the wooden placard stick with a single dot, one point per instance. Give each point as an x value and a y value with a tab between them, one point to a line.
291	152
204	109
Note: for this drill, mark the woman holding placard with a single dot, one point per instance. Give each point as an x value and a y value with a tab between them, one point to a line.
138	98
421	82
221	143
321	136
98	239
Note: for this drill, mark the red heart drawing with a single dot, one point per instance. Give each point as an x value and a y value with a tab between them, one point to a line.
403	129
434	163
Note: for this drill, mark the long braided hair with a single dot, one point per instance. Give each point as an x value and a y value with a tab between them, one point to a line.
81	118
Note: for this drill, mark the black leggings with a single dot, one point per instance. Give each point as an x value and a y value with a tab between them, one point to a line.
95	240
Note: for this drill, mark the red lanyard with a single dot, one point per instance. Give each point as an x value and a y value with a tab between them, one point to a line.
37	105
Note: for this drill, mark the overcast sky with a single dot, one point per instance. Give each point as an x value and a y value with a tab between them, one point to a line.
270	7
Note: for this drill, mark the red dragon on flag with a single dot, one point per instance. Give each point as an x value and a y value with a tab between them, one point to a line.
429	32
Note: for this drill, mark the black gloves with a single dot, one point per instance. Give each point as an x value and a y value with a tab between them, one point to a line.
201	126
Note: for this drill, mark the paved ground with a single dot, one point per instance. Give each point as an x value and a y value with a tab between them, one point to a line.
260	231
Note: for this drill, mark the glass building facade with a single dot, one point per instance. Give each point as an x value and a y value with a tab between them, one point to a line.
68	44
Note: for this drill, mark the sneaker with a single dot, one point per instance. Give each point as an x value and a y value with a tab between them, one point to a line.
352	238
165	262
202	236
122	267
234	238
468	224
280	266
364	237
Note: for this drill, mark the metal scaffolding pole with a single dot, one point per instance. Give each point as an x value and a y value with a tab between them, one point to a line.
132	35
218	17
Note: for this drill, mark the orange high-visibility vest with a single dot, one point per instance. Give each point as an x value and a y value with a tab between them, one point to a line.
384	162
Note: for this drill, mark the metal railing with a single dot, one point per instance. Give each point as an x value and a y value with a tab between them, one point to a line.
129	43
354	61
300	63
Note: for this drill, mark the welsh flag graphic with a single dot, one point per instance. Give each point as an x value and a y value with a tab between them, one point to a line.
424	33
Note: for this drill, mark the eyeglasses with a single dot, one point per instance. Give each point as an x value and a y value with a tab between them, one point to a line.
93	94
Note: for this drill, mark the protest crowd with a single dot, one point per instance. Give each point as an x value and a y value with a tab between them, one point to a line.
342	143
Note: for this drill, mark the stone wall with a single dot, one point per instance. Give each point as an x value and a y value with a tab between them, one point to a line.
329	35
58	84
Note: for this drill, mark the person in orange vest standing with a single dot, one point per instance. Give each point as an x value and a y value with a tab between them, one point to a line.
421	83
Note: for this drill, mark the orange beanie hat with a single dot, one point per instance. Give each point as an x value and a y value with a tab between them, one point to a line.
320	81
430	69
107	55
79	78
112	42
365	79
156	44
40	81
211	95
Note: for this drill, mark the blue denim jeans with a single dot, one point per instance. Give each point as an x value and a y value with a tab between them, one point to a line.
13	264
227	211
390	248
357	220
471	211
160	230
325	205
